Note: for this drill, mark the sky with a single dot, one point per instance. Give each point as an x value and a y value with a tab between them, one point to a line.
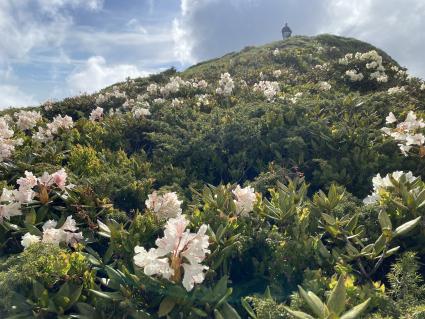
51	49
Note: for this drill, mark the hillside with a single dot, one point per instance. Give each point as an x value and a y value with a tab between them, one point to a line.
268	153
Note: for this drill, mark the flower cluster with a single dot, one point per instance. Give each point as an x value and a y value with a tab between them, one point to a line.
140	112
245	200
152	89
115	93
382	184
296	97
179	250
53	128
276	52
277	73
96	114
226	85
268	88
173	86
324	86
371	60
67	233
407	133
164	206
354	75
27	120
7	143
11	201
422	88
9	205
202	99
396	90
176	103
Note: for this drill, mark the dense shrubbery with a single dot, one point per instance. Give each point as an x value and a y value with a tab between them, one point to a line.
147	218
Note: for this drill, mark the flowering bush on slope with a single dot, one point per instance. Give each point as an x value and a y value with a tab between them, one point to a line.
287	211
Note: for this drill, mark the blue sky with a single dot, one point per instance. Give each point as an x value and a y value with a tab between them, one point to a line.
50	49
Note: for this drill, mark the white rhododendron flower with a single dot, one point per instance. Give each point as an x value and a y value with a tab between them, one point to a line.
9	205
276	52
354	75
53	128
67	233
245	200
152	89
164	206
277	73
226	85
422	87
202	84
324	86
27	182
202	99
27	119
268	88
7	143
390	118
381	184
140	112
176	102
96	114
408	133
396	90
179	251
28	240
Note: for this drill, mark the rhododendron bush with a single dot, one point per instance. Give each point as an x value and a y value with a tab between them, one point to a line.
283	181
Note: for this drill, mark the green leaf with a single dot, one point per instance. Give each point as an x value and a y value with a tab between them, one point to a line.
384	221
356	311
229	312
379	245
217	314
30	218
407	227
248	308
166	306
336	301
314	302
329	219
199	312
298	314
114	296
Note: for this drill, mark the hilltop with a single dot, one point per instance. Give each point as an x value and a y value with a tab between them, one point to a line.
266	154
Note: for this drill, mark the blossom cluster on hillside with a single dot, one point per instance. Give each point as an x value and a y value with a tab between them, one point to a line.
284	181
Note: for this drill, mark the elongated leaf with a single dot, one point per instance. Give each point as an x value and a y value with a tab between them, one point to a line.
166	306
115	296
316	307
298	314
407	227
229	312
248	308
336	302
385	221
217	314
356	311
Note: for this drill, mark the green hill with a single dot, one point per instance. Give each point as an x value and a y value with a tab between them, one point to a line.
300	121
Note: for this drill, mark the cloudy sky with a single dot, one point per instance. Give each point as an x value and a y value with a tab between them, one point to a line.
57	48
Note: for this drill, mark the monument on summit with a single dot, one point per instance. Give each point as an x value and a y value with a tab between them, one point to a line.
286	31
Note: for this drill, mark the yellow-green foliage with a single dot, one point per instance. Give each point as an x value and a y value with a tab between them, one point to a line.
48	264
83	160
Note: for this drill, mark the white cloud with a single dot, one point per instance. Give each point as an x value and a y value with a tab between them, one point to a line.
12	96
95	74
21	31
52	6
